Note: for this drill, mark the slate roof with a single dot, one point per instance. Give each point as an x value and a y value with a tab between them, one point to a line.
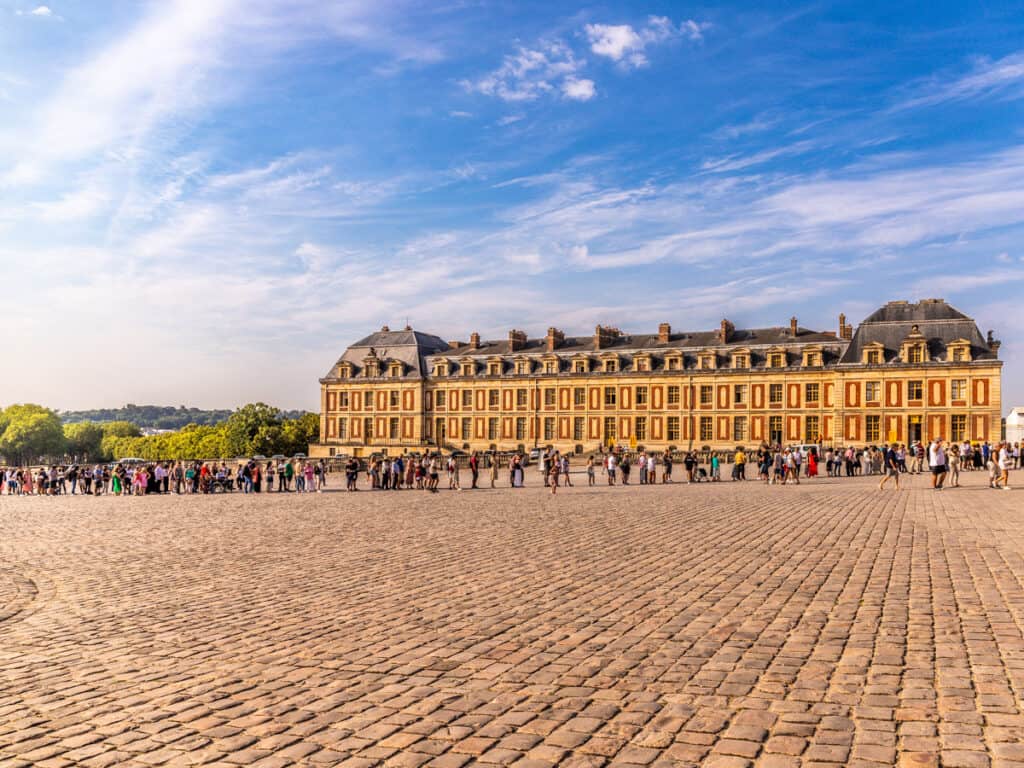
408	347
939	322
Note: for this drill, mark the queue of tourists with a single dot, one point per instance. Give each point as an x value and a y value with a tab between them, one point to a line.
141	479
775	465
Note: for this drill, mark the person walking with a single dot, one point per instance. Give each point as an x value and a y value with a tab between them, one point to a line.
892	467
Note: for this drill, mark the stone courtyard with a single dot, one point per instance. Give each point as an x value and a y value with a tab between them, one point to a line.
728	625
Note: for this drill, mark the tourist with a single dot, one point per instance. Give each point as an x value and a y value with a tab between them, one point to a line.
493	469
611	469
651	472
666	473
1005	460
716	469
690	463
937	462
954	465
892	467
642	464
590	471
474	469
553	472
563	469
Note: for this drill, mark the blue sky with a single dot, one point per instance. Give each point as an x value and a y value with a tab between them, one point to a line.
204	201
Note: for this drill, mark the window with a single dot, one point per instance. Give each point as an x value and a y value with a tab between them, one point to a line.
521	397
611	366
739	429
368	401
493	398
777	360
342	428
343	399
467	398
811	429
609	397
577	428
345	372
739	394
673	428
872	427
549	396
874	356
706	394
640	428
672	363
550	366
609	427
494	369
959	355
522	366
580	366
393	428
812	359
915	390
641	396
579	396
549	427
775	430
915	354
958	427
440	369
393	398
774	393
641	364
812	392
521	428
467	369
467	429
395	370
492	428
872	392
707	362
673	395
705	428
741	361
958	389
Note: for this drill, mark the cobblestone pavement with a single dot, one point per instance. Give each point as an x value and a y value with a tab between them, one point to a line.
729	625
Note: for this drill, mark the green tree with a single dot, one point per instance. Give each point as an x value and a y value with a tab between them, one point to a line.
121	429
29	431
84	440
244	424
297	434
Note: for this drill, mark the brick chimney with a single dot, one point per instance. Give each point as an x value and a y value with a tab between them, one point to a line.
516	340
605	336
664	333
555	339
474	340
993	344
725	332
793	328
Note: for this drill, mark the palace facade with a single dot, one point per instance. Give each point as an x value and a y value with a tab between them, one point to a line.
910	371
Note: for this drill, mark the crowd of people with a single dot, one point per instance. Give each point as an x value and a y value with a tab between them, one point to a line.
776	465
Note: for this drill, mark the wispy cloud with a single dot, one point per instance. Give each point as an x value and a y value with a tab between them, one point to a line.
529	73
626	45
40	12
1002	77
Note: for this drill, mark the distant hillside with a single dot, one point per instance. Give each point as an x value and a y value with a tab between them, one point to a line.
157	416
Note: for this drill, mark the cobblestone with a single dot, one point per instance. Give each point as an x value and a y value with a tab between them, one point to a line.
719	625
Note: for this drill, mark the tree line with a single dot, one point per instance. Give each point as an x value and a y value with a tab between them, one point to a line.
157	416
30	433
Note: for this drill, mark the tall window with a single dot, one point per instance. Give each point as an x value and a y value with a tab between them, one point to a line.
393	428
673	428
739	429
916	354
492	428
467	429
872	392
342	428
775	430
577	428
812	428
959	354
739	394
958	427
493	398
706	394
467	398
640	428
609	397
958	389
609	427
393	398
874	356
705	428
774	393
872	427
549	396
521	397
641	396
520	428
549	427
812	392
915	390
343	399
673	395
579	396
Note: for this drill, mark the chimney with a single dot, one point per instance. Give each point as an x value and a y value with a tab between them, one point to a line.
725	332
555	339
516	340
792	327
993	345
384	329
474	340
604	336
664	333
455	344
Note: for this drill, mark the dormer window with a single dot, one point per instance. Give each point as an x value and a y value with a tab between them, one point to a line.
777	360
642	364
959	351
372	369
740	361
440	369
812	358
467	369
915	354
522	366
611	365
395	370
551	366
673	363
873	357
707	362
494	369
345	371
579	366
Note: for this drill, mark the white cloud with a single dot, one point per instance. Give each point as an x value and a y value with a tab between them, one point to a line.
41	10
528	73
460	114
625	45
578	89
1003	77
